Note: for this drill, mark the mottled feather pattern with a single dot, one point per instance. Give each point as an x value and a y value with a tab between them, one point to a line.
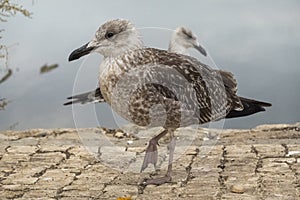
152	87
198	88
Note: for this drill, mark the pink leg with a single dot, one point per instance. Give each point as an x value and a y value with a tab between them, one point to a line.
168	176
151	151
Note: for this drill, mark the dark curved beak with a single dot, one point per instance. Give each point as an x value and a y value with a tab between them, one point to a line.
81	51
200	49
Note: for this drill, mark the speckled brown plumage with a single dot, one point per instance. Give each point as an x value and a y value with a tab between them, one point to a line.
152	87
210	94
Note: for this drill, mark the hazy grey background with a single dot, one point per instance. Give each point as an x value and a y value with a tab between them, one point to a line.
259	41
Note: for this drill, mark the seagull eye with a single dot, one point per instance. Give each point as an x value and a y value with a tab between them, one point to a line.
109	35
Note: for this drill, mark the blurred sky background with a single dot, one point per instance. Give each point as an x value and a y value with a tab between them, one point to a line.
258	41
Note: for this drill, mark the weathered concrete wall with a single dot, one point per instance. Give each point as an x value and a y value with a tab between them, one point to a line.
262	163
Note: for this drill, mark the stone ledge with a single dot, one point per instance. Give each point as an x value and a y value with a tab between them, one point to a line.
99	163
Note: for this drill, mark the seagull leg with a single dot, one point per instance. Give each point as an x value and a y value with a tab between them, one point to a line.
168	177
151	151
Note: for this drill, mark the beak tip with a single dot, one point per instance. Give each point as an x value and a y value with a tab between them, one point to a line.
201	49
72	57
78	53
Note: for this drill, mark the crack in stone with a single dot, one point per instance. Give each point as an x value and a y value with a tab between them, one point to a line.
61	189
254	150
19	195
13	168
56	166
90	163
291	128
267	157
294	171
188	169
222	178
57	132
53	166
286	149
6	149
6	174
259	164
41	173
27	134
141	188
107	184
66	152
259	159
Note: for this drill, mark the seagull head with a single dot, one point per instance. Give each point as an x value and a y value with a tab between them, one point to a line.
183	39
111	39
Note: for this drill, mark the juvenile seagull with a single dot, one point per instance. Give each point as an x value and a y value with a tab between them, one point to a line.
153	87
181	40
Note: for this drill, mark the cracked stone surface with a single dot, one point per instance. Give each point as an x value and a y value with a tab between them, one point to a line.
100	163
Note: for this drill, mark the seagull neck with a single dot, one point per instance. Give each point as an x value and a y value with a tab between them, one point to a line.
112	62
175	48
123	49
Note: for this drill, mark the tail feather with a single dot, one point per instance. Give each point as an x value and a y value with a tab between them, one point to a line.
250	107
94	96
